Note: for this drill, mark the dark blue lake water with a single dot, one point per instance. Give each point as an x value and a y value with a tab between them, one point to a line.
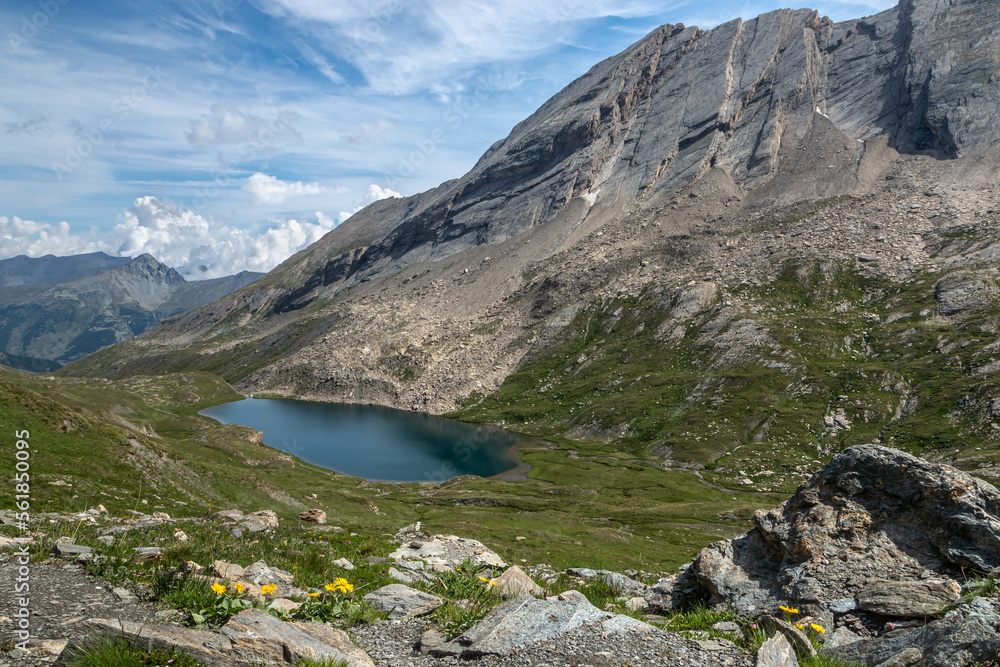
374	442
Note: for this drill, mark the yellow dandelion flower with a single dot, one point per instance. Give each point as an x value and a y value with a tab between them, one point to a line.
268	589
818	628
789	610
239	587
218	588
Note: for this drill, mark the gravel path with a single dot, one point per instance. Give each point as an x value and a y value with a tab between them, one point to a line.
61	597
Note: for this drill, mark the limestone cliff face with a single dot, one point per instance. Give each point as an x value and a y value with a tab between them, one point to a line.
651	120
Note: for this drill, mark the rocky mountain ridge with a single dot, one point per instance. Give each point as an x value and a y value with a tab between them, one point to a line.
47	319
709	218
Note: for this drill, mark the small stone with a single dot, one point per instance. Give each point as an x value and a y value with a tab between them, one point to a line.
232	515
124	594
236	532
843	605
230	571
106	539
776	652
148	553
840	637
401	576
726	626
314	515
635	604
402	601
258	522
344	563
284	605
71	550
515	582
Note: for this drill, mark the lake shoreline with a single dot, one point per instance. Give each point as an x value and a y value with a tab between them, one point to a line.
519	473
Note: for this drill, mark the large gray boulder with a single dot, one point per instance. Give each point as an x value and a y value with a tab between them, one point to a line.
526	620
865	528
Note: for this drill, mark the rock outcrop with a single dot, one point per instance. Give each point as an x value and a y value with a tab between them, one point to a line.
875	530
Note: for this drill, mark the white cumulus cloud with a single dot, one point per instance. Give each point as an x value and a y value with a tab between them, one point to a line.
200	247
26	237
266	189
375	193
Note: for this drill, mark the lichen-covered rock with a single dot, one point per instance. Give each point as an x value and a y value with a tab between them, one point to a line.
872	519
445	551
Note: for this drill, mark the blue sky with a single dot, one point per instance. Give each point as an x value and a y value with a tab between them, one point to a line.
224	135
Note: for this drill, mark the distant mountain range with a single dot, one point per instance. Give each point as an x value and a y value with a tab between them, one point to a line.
54	310
51	270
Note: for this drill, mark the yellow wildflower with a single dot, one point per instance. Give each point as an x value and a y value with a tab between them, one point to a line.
218	588
818	628
239	587
493	582
789	610
340	585
313	595
800	626
269	589
484	580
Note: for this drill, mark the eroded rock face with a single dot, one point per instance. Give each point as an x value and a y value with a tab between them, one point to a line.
867	528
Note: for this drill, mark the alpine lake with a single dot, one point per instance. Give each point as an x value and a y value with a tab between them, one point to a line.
376	443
